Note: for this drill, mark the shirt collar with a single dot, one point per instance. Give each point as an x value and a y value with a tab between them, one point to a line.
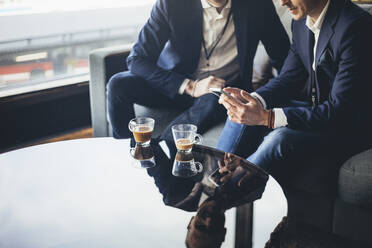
206	5
315	27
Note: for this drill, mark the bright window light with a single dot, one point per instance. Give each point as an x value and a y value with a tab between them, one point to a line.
17	7
32	56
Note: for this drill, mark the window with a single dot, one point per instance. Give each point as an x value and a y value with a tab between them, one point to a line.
42	42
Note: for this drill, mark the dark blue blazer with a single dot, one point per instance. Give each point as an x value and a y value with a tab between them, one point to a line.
343	75
168	47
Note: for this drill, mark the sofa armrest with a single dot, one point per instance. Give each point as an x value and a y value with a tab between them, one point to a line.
103	63
355	180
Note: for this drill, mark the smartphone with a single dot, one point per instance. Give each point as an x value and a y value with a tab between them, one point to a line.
217	92
216	176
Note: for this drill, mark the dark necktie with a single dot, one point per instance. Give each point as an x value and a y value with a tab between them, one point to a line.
312	85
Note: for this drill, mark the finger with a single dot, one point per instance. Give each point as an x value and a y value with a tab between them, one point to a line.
220	165
238	96
230	116
221	84
231	166
225	178
233	101
228	105
217	84
235	119
242	180
232	90
217	79
247	96
220	99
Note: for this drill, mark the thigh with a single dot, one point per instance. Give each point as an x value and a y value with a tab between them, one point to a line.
240	139
204	112
207	111
284	146
130	88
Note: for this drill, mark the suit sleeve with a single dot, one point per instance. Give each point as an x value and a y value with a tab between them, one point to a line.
288	84
143	58
273	35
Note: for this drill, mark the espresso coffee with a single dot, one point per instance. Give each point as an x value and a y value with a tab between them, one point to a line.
184	144
184	157
142	133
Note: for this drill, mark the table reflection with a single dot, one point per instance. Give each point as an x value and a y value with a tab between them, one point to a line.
226	179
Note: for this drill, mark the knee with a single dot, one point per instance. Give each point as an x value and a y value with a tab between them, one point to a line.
118	85
210	103
210	99
277	142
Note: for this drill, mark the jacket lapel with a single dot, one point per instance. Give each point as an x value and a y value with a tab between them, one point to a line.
241	33
327	31
192	32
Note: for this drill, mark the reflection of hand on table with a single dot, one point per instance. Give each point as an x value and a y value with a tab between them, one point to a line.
228	165
240	183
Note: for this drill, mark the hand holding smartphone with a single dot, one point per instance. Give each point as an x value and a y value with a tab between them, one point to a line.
218	92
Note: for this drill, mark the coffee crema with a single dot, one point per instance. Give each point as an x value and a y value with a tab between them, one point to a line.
184	144
142	133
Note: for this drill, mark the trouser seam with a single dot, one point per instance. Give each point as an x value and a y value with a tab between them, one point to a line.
239	138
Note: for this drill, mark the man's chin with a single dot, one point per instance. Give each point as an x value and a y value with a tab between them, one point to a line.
297	17
296	14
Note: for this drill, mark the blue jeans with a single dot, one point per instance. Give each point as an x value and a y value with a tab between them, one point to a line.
281	146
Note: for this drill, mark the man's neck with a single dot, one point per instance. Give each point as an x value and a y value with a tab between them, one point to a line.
218	4
317	10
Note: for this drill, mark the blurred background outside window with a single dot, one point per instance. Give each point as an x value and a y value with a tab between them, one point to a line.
46	43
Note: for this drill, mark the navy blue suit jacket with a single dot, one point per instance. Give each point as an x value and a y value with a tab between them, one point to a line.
343	73
168	47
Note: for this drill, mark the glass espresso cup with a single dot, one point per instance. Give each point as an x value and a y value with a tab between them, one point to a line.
185	136
185	166
142	128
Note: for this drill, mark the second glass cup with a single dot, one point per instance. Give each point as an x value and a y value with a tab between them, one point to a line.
142	128
185	136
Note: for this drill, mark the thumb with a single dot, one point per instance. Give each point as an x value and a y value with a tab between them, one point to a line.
246	96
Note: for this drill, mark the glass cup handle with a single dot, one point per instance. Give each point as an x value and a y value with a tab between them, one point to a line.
198	139
198	164
131	151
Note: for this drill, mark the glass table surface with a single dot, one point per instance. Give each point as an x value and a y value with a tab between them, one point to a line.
91	193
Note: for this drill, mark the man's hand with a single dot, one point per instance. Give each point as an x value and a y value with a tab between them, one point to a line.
200	88
250	112
230	164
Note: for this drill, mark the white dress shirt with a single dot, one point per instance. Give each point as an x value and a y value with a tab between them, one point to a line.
223	62
280	118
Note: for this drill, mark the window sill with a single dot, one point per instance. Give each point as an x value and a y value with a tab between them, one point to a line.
27	87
